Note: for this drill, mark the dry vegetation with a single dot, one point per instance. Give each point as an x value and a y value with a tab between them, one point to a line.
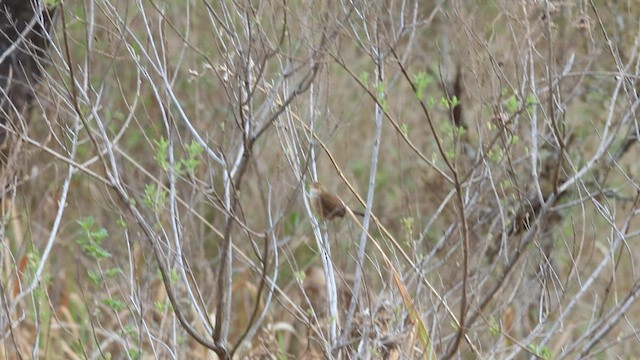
156	204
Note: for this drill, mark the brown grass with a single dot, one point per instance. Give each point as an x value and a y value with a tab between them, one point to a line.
561	281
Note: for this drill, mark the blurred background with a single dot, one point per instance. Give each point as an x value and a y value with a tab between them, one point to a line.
157	157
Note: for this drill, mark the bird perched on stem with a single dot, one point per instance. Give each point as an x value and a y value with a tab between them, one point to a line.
327	205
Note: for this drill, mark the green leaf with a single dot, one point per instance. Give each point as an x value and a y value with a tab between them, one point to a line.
98	235
115	305
455	101
364	77
134	354
94	277
173	276
160	306
405	129
113	272
444	102
512	103
421	82
86	223
431	102
162	147
154	197
299	275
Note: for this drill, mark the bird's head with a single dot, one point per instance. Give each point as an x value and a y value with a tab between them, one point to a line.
316	189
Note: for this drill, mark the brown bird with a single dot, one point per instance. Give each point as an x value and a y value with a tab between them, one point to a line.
327	205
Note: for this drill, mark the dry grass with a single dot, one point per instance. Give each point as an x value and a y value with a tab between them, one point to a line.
514	218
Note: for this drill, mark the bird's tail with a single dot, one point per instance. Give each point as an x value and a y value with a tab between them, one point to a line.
359	213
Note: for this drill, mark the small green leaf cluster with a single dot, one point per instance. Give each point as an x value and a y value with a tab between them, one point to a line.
541	352
188	164
91	239
155	197
513	103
